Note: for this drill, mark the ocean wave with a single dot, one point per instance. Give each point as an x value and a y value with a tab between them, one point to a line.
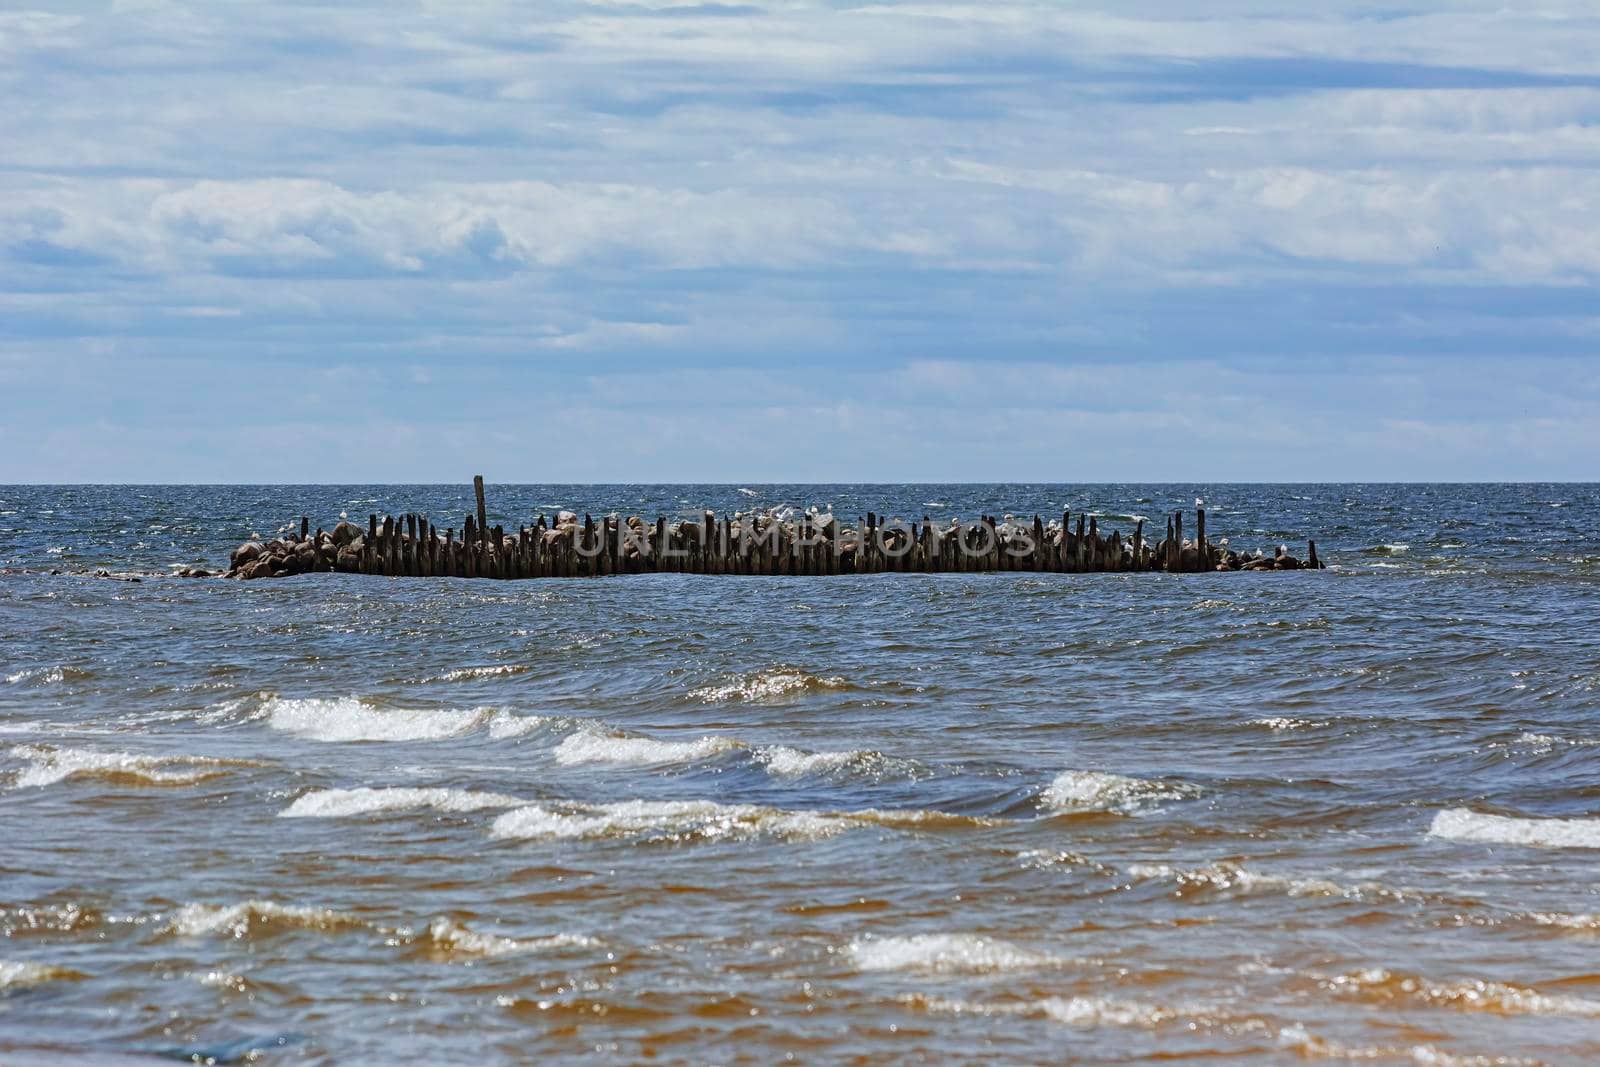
51	764
781	761
674	820
353	719
448	938
46	675
592	746
1284	723
24	974
1307	1045
1099	791
1379	985
766	687
705	820
254	918
1227	877
466	674
946	954
343	803
1078	1011
1386	550
1460	824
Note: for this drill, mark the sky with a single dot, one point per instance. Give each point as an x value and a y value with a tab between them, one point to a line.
799	241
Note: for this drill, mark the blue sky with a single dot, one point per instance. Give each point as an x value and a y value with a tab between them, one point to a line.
799	241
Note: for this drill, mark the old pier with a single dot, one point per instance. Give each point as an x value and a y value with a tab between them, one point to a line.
746	543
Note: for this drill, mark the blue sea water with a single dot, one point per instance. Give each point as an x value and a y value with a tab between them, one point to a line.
1347	814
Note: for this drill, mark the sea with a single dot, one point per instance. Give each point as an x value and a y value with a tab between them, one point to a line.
1339	815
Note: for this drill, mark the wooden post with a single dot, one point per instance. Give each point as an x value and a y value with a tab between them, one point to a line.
1311	556
1138	545
483	516
1200	539
305	528
1177	541
1094	544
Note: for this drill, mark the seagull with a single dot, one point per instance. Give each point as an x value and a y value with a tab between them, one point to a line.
1199	503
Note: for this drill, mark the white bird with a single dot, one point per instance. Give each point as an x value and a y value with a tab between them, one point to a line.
1199	503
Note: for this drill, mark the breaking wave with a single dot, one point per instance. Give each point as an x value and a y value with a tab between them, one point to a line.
342	803
24	974
1460	824
1100	791
50	764
448	938
704	820
352	719
592	746
781	761
946	954
767	687
254	918
1225	877
1381	986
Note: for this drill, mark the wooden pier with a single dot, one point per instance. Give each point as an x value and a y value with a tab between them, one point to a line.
750	543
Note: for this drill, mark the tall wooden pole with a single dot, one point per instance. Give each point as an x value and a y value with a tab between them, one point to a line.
483	517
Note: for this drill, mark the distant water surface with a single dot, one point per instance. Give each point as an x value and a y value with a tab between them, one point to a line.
1347	815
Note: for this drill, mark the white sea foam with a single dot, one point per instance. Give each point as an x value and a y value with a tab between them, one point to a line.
448	937
946	954
591	746
50	764
23	974
244	920
342	803
352	719
1100	791
1459	824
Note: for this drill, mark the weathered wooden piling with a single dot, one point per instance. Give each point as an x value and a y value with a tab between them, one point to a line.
564	546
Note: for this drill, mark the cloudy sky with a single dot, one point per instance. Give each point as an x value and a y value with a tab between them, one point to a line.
799	240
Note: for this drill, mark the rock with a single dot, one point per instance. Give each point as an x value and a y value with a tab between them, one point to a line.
346	533
258	568
349	561
248	552
563	518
